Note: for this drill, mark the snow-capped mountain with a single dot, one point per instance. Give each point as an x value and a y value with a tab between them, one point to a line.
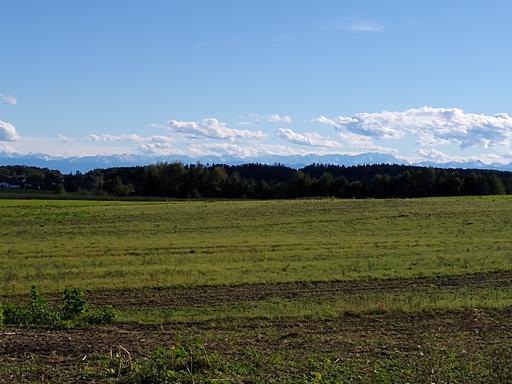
84	164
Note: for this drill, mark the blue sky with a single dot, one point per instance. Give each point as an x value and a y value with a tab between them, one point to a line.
420	79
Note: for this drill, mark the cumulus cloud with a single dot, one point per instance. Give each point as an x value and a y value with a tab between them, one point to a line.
212	129
356	141
311	139
432	125
8	99
359	142
8	132
230	149
374	125
275	118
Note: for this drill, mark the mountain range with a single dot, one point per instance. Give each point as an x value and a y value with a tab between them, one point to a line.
84	164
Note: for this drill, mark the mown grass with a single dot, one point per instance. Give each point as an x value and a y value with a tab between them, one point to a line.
96	244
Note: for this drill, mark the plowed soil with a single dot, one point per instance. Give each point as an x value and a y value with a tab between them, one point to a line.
347	336
171	297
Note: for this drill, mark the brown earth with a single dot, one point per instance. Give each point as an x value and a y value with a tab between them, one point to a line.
195	296
142	298
407	331
366	336
35	355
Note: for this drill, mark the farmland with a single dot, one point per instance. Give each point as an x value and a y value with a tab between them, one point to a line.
321	290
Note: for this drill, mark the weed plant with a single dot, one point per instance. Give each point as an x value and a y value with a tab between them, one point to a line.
192	364
37	313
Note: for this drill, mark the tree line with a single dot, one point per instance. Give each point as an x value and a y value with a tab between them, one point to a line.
258	181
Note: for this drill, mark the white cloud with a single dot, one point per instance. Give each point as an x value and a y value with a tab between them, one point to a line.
105	138
354	26
325	121
258	149
213	129
157	148
356	141
364	143
8	132
230	149
8	99
432	125
366	26
311	139
64	138
150	145
77	147
366	124
275	118
435	155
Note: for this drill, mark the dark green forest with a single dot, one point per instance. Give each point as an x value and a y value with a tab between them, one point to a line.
257	181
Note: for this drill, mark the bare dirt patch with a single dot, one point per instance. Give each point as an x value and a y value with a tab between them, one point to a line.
211	295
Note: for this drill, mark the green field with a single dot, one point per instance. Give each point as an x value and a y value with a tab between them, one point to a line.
202	269
56	244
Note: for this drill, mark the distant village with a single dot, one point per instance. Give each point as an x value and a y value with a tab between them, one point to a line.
16	182
21	177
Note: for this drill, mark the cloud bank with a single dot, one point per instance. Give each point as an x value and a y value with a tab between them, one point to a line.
433	126
426	133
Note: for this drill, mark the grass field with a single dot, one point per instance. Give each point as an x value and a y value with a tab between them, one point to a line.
323	290
56	244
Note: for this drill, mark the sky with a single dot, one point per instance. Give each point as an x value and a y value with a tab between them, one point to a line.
423	80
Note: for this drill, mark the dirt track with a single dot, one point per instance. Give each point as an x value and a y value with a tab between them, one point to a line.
142	298
171	297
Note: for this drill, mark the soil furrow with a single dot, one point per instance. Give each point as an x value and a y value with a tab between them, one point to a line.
212	295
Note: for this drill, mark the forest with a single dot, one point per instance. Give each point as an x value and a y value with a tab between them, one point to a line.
258	181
